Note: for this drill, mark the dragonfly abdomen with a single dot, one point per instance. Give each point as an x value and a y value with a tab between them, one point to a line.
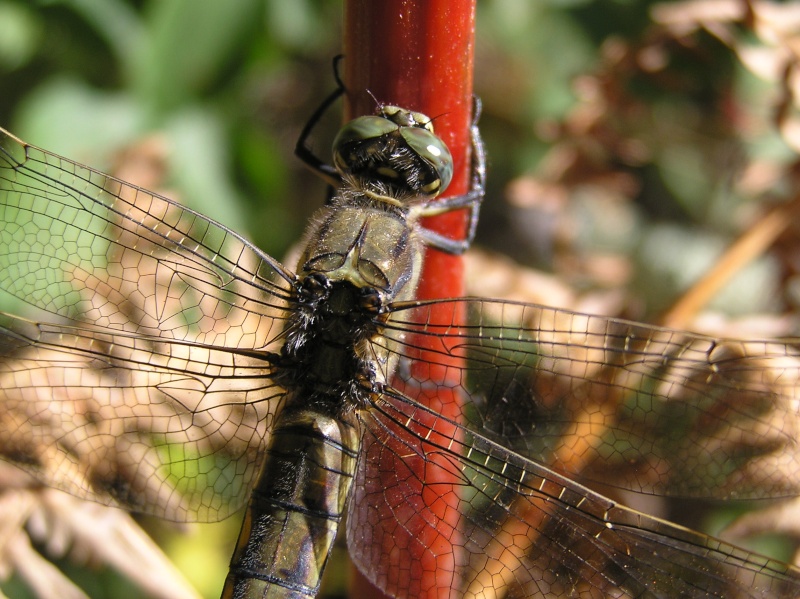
294	513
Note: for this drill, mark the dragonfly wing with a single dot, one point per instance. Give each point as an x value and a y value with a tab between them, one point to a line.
86	246
146	393
520	529
154	425
622	404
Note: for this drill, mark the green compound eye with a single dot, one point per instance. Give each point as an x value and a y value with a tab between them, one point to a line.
396	151
363	128
432	150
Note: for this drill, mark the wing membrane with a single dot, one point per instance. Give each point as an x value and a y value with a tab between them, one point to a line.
135	400
158	426
642	408
524	530
83	245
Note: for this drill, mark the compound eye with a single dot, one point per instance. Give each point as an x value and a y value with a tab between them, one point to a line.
353	133
435	153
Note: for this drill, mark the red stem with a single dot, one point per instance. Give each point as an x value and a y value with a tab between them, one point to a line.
418	54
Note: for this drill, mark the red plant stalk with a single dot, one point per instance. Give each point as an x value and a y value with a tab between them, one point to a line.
417	54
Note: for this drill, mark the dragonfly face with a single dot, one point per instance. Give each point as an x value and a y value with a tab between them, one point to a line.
393	155
175	362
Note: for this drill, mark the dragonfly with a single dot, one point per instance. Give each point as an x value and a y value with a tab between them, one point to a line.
172	368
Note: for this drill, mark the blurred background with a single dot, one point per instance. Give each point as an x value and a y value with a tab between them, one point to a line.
630	144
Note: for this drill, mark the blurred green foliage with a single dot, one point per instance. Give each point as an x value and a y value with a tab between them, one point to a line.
634	138
228	85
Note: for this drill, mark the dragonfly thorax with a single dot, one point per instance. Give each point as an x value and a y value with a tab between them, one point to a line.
326	342
366	246
357	260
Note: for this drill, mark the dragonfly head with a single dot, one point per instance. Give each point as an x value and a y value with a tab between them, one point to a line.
394	153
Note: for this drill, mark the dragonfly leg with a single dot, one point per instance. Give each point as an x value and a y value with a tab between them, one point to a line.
301	149
471	200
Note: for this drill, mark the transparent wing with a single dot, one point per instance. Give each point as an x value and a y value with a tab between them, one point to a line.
83	245
160	427
485	500
485	521
152	390
642	408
